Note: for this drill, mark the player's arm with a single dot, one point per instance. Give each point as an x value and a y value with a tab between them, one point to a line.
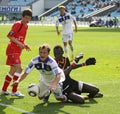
28	69
21	45
89	61
13	31
57	30
57	27
55	82
75	24
22	77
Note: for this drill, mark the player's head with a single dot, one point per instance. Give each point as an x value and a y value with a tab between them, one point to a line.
58	52
62	9
44	51
26	16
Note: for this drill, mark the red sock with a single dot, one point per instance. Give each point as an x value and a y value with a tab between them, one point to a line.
7	81
16	76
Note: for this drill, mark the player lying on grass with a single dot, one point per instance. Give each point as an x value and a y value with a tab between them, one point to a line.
50	74
72	88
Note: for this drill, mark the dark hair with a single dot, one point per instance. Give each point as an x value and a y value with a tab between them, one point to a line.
58	48
45	46
27	12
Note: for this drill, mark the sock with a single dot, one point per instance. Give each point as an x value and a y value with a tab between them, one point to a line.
16	76
66	50
7	81
72	49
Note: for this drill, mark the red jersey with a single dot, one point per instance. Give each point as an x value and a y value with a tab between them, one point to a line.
18	31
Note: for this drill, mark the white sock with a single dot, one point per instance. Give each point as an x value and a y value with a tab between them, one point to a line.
66	50
72	49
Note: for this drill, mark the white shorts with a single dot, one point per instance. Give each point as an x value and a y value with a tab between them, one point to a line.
67	37
44	90
45	83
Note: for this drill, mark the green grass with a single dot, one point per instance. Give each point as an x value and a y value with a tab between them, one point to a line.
101	43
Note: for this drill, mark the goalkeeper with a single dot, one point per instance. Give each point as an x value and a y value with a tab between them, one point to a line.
72	88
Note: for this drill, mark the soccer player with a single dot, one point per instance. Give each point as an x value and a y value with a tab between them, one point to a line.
72	88
14	49
66	19
51	74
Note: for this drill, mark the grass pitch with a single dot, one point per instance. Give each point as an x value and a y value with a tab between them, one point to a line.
101	43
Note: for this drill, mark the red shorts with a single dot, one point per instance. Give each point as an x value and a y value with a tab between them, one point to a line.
13	59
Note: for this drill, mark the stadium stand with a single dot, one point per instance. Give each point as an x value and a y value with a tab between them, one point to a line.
20	2
86	11
4	2
80	7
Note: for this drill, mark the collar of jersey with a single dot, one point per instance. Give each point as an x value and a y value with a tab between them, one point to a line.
63	15
45	61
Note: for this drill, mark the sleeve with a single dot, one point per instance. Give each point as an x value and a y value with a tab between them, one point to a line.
29	68
72	17
14	29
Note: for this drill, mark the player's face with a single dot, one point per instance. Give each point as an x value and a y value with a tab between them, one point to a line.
62	11
43	54
58	54
26	19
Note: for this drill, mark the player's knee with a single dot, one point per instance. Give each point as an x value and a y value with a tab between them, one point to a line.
62	98
21	70
76	98
40	97
18	69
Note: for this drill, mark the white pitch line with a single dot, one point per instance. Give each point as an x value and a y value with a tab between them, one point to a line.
15	108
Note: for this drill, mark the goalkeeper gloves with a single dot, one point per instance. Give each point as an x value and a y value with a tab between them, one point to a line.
90	61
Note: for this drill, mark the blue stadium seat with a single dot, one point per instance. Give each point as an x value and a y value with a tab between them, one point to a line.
78	7
20	2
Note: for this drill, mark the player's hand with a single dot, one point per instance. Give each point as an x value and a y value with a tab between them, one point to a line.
90	61
75	30
15	83
52	87
22	46
58	33
27	47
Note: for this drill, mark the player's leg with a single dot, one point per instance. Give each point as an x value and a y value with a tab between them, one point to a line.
18	69
44	90
92	90
17	74
66	49
76	98
65	40
58	94
7	81
70	37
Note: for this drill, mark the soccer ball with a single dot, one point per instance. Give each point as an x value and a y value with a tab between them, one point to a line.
33	90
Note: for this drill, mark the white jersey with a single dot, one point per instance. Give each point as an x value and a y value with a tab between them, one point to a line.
48	69
66	22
